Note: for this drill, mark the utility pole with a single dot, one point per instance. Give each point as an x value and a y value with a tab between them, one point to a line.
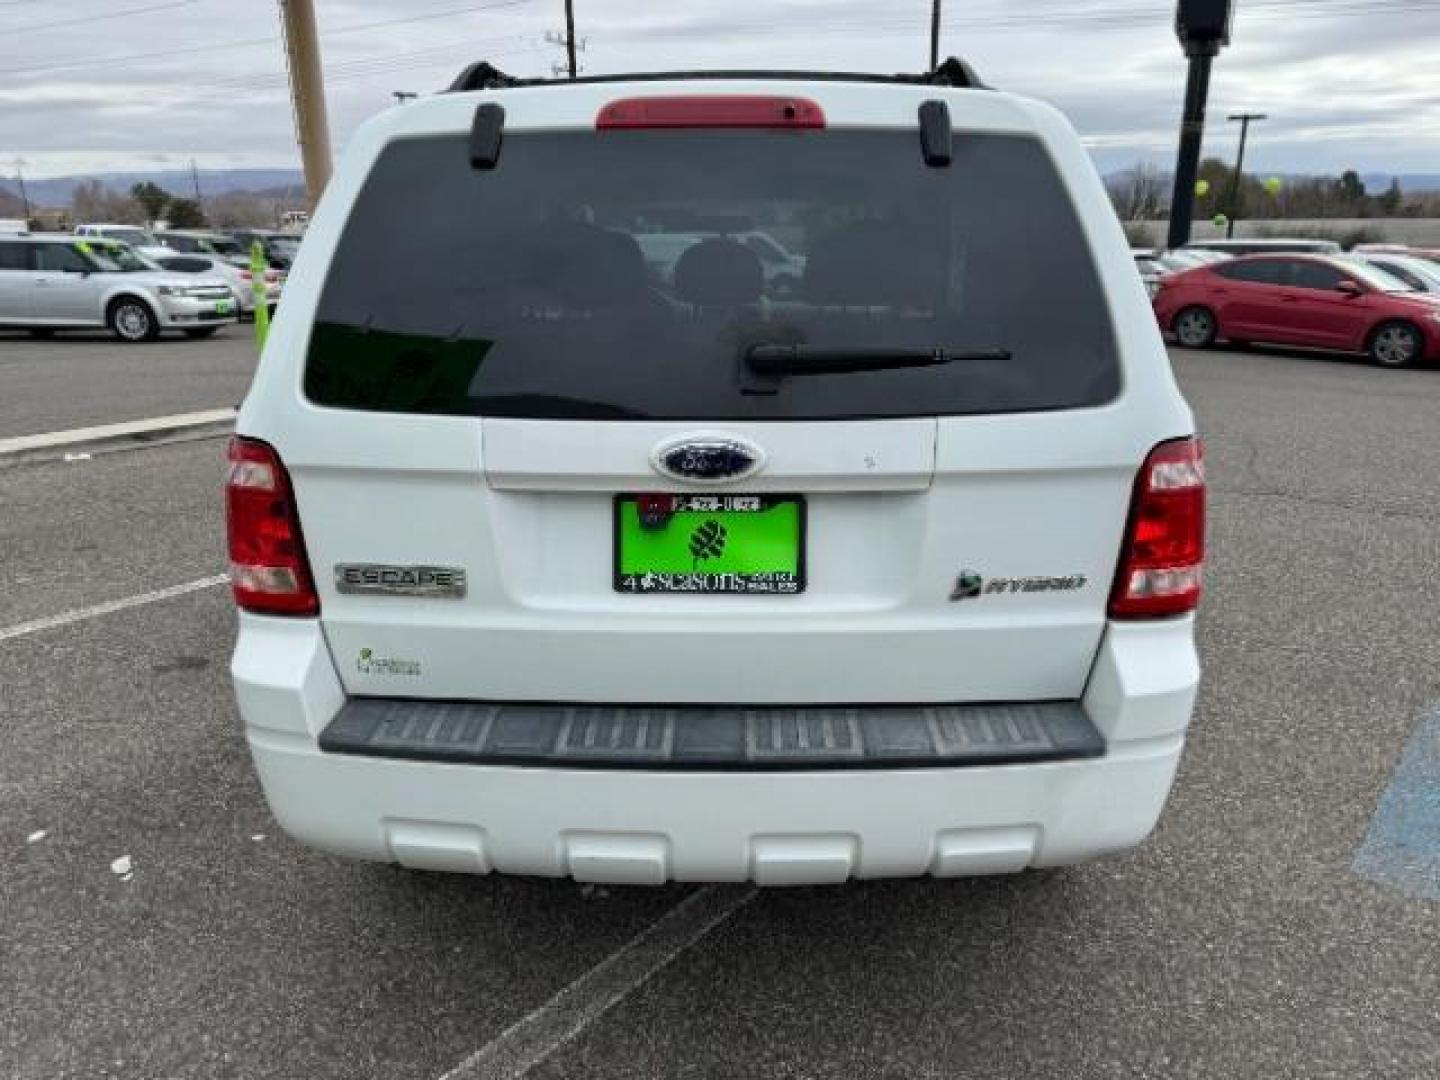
569	66
195	179
1203	27
24	195
934	34
570	35
307	90
1236	190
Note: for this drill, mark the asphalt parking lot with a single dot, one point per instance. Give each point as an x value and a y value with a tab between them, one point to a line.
1260	933
76	380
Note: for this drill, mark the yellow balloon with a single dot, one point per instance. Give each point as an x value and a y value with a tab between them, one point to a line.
1202	188
1273	185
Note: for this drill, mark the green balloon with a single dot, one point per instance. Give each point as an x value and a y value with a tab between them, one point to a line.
1202	188
1273	185
1220	221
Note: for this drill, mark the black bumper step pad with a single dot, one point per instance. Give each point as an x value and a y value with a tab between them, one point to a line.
713	738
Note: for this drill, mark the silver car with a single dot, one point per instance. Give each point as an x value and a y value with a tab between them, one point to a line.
55	281
205	242
238	278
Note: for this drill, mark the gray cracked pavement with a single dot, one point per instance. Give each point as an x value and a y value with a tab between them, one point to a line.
1238	942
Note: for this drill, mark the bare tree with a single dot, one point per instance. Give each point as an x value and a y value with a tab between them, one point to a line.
93	201
240	209
1138	193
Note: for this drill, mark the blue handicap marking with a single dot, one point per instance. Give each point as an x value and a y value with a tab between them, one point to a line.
1402	849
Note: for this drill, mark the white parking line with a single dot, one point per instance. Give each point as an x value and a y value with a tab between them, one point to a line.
532	1039
131	433
50	622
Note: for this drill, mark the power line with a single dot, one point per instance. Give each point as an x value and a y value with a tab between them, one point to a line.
210	47
374	65
97	18
220	89
1096	18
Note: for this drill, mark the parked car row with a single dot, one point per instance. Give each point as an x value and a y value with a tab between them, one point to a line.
1382	304
235	245
59	281
1154	264
222	255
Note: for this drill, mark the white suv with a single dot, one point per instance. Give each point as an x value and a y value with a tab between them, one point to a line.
546	566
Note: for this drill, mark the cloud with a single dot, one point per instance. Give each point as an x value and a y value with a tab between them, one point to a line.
1347	84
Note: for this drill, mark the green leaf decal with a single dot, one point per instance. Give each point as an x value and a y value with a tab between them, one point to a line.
707	541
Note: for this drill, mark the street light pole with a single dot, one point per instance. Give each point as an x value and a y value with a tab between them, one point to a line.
1236	181
307	90
1203	27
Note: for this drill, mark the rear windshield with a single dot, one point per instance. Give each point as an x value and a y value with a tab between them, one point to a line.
626	274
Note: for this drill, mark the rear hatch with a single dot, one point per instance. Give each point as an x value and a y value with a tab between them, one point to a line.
572	381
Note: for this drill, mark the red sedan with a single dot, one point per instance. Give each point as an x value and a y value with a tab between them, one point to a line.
1309	301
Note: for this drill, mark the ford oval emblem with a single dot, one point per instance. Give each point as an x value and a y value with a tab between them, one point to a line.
706	458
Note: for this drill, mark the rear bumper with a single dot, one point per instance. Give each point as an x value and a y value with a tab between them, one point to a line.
645	826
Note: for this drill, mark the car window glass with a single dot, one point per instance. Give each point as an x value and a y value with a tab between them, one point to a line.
766	252
181	264
1266	272
59	257
1313	275
1405	274
12	257
541	288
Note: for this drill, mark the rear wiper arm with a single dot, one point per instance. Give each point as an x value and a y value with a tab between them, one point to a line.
770	362
844	359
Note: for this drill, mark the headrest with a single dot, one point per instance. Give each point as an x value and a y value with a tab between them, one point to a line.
586	265
719	271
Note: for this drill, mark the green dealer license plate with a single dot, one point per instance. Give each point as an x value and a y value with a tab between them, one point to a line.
224	307
709	544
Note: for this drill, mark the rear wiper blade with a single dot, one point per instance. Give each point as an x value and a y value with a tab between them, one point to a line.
845	359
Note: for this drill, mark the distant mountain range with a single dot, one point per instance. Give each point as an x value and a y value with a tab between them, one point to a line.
1410	183
56	191
289	184
1376	183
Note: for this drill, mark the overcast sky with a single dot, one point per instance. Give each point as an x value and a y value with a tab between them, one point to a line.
87	85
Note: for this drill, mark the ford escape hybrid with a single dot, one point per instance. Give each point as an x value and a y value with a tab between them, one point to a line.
561	551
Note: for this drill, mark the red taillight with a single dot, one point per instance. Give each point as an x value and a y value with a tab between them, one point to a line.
272	276
244	275
711	111
1164	552
269	572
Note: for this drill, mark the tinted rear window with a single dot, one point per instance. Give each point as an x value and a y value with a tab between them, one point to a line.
622	275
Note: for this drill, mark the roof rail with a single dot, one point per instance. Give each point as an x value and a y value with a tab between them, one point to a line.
481	76
954	72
